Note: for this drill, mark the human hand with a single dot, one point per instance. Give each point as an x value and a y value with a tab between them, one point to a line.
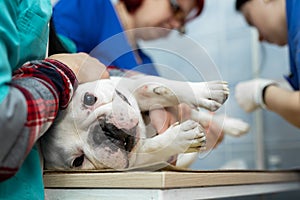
162	119
214	136
85	67
249	94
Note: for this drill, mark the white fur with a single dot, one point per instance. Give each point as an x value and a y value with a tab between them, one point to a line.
76	132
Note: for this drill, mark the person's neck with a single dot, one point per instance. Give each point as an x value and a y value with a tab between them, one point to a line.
127	22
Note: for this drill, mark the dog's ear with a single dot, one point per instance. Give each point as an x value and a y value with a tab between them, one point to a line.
47	140
60	116
47	144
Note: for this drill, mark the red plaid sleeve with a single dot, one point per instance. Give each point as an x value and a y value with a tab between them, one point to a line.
55	78
46	85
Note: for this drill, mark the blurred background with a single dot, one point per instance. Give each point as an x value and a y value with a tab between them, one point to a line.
236	55
220	45
234	48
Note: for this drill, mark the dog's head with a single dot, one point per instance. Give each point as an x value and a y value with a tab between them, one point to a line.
100	129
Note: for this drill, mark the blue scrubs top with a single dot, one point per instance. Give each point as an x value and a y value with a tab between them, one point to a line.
95	28
293	23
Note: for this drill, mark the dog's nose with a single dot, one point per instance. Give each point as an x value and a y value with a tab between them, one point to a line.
125	118
123	115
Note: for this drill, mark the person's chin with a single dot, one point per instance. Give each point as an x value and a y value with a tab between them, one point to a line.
282	43
155	36
276	42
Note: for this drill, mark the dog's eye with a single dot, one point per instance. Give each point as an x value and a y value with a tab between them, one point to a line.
89	99
78	161
122	97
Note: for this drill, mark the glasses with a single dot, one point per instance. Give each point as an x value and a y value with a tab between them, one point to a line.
179	15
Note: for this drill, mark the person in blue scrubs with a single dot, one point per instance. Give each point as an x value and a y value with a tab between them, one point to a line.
277	22
108	32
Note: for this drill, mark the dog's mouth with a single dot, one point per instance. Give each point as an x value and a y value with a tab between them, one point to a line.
122	138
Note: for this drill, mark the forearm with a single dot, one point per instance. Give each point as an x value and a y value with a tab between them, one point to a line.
36	93
285	103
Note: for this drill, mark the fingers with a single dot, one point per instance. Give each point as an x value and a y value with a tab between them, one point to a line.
90	69
215	135
243	98
184	112
160	120
85	67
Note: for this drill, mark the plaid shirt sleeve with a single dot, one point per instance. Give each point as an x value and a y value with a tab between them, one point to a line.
46	86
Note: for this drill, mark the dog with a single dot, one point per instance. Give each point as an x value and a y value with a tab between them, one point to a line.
104	128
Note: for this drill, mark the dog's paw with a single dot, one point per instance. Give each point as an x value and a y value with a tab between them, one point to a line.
161	90
186	137
210	95
232	126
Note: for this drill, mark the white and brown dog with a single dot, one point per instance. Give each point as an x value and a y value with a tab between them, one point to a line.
103	126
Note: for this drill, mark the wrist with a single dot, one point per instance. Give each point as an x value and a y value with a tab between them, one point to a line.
68	82
264	94
262	90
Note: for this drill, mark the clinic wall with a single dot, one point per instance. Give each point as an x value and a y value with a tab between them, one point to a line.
234	49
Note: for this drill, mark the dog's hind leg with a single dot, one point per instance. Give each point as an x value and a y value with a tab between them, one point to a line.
231	126
185	160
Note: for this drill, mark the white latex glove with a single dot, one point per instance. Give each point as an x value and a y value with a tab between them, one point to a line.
249	94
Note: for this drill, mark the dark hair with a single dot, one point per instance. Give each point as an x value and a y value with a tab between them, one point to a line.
200	5
239	4
133	5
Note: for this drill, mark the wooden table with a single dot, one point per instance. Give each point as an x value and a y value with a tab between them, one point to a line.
161	185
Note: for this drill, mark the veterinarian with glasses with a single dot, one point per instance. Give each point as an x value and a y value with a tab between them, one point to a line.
31	93
97	27
111	33
278	22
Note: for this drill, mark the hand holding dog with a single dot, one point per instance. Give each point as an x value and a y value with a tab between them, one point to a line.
182	112
215	125
85	67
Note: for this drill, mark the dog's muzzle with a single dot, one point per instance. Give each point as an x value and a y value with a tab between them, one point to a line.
122	138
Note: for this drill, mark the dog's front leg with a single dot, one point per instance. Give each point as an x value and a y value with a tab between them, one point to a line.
178	138
152	92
